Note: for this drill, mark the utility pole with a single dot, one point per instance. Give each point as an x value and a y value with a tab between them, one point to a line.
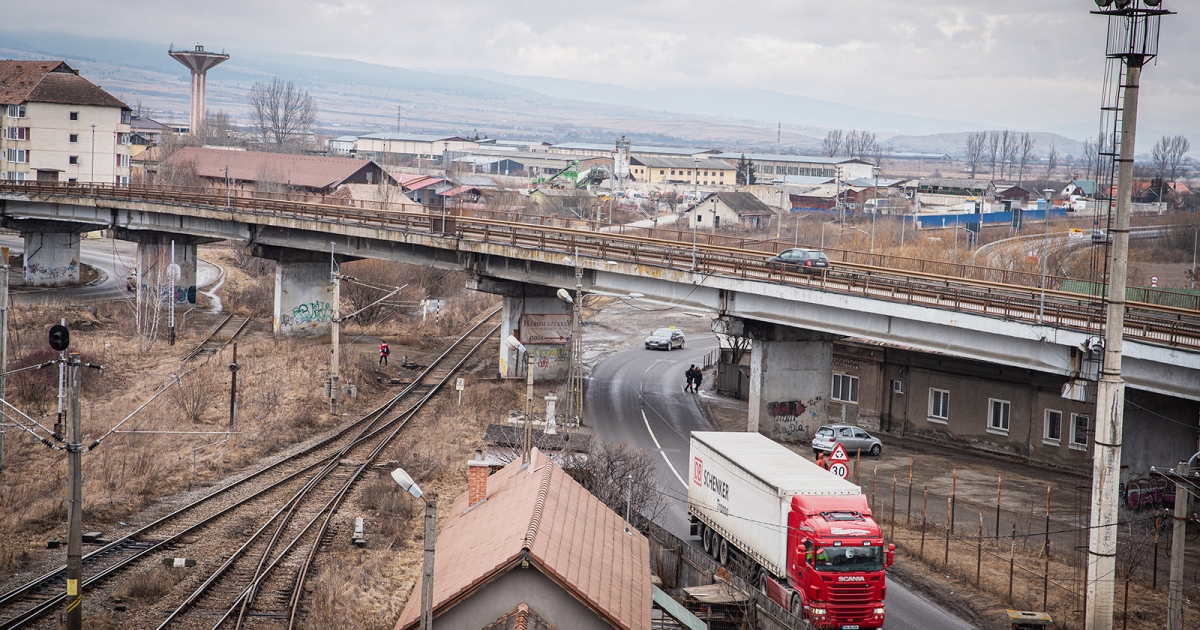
1179	529
427	573
59	430
1132	41
3	341
173	273
575	406
233	370
75	500
334	386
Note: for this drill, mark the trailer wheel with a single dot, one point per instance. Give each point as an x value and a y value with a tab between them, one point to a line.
706	538
762	582
716	546
723	558
797	607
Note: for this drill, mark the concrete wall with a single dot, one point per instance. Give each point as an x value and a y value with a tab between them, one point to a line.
551	361
51	129
303	298
557	607
789	387
154	259
51	259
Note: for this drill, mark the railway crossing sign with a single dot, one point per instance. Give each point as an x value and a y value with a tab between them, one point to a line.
838	462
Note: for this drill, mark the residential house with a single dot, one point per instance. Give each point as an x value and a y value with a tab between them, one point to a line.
531	541
1014	193
825	198
958	187
57	126
727	209
1080	188
254	169
770	166
688	171
424	189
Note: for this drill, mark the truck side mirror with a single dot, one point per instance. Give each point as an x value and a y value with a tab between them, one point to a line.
891	555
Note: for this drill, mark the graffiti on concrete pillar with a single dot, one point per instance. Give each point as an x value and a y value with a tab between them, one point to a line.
788	418
308	313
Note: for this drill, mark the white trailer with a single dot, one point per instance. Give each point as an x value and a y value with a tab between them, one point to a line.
742	486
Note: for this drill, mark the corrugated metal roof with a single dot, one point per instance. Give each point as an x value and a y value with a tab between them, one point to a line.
684	163
412	137
799	159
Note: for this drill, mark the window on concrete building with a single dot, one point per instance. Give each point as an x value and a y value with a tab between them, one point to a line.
939	405
998	416
15	176
18	133
20	156
72	159
74	137
74	115
123	161
1052	433
660	172
845	388
16	111
1081	425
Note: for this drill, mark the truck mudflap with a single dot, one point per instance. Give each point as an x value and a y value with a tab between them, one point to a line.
693	525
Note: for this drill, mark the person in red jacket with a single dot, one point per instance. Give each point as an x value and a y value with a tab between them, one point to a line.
384	351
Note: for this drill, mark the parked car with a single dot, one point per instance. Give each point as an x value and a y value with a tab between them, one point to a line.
800	259
851	437
665	339
1101	236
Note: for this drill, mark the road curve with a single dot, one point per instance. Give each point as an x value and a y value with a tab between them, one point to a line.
636	396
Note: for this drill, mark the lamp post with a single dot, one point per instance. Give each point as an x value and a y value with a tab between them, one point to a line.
696	179
446	176
401	477
1195	238
802	216
875	207
93	178
837	198
823	232
516	344
1047	193
695	220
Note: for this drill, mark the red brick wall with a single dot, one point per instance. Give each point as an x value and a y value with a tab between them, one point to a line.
476	483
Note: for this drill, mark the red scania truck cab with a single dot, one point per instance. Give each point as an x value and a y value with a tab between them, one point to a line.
809	533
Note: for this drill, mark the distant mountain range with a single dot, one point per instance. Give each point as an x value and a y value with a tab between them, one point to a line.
355	96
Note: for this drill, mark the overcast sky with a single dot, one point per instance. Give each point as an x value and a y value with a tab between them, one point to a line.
1028	64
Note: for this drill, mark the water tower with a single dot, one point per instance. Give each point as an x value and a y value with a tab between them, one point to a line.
199	61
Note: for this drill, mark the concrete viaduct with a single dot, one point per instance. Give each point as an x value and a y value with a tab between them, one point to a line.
792	317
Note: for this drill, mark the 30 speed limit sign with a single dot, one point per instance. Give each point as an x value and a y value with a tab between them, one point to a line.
839	469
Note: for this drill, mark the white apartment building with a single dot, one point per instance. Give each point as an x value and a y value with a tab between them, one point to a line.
57	126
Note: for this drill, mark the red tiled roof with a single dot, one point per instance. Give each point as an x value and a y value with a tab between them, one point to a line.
302	171
49	82
539	513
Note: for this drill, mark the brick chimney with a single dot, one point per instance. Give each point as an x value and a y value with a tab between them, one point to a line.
477	474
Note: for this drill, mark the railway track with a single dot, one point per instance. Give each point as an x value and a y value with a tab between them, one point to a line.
310	477
221	336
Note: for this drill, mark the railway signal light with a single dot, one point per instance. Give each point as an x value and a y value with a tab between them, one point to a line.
60	337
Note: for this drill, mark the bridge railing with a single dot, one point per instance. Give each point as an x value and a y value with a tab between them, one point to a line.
717	255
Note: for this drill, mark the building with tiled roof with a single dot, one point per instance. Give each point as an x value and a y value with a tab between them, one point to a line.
536	544
57	126
307	173
729	209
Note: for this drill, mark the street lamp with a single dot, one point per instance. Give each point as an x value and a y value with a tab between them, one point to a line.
406	481
823	231
516	344
802	216
93	178
1195	238
875	206
1047	193
696	179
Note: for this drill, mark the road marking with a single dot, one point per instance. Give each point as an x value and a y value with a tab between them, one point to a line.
660	449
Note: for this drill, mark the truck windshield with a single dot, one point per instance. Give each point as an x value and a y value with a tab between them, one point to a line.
850	559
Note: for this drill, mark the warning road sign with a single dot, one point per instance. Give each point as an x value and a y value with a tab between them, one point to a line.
838	454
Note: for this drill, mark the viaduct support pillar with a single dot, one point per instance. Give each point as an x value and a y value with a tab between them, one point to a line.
790	380
303	298
542	321
51	259
154	260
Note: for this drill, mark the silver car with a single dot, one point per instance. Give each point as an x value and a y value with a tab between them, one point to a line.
852	438
665	338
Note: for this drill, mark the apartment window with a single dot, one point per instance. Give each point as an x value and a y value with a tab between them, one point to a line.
998	416
126	117
74	115
1080	426
74	138
845	388
16	111
20	156
1052	434
72	159
15	176
660	172
123	161
939	405
123	138
18	133
123	180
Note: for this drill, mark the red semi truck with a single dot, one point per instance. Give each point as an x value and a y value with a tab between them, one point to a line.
807	532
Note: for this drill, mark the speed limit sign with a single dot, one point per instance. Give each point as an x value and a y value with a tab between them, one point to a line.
838	461
839	469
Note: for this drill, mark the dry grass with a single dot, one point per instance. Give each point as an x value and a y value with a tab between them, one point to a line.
150	586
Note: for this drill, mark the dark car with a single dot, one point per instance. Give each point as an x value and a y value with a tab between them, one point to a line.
800	259
665	339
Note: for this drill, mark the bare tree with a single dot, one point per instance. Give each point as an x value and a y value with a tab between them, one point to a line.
282	113
217	129
993	150
166	169
881	153
860	144
1051	160
974	151
1090	155
832	143
1024	154
1010	145
1167	157
610	471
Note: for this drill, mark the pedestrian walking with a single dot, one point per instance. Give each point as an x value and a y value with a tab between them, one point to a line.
821	461
384	351
691	378
698	377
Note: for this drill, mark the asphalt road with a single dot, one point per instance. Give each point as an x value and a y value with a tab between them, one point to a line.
636	396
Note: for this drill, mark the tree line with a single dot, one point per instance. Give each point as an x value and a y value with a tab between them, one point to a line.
859	145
